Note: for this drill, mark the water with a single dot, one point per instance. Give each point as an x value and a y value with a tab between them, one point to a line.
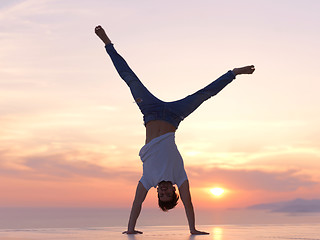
32	218
218	232
80	224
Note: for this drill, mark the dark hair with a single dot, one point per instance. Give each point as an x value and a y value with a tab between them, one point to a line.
165	206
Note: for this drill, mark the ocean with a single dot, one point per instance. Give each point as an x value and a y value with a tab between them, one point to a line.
80	224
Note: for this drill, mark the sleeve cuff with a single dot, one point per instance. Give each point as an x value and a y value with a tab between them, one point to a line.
232	73
109	47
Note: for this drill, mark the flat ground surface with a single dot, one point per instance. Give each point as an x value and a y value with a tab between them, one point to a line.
225	232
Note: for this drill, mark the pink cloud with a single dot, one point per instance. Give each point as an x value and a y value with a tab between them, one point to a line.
250	179
58	168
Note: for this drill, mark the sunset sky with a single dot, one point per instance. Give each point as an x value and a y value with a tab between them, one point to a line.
70	131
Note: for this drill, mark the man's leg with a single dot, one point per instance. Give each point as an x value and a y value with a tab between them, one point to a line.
190	103
140	93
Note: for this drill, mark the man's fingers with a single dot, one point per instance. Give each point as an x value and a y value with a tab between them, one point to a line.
134	232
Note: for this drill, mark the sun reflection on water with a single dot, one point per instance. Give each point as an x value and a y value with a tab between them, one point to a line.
217	233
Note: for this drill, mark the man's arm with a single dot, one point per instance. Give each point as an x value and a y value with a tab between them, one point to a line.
140	196
186	199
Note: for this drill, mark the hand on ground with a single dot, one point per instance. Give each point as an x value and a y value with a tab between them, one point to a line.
196	232
132	232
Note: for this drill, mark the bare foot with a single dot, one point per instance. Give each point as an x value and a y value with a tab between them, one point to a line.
102	34
244	70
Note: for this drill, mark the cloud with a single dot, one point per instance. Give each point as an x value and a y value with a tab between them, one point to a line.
85	163
250	179
59	167
294	206
9	3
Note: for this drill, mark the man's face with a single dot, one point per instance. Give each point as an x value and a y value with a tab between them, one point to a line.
165	191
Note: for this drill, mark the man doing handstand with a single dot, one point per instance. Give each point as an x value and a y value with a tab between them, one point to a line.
162	163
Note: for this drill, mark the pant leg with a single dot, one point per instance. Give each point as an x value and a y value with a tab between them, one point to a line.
140	93
187	105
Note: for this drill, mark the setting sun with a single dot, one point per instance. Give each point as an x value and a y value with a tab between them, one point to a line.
217	191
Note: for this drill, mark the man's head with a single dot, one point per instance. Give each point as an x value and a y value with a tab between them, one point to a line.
167	196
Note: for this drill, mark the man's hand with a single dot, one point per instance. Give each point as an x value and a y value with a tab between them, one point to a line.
196	232
132	232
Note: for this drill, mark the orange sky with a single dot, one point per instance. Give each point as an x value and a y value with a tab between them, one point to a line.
70	133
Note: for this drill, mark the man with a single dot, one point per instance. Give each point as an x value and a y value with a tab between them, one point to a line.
162	163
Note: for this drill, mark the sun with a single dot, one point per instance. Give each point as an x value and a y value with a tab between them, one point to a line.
217	191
